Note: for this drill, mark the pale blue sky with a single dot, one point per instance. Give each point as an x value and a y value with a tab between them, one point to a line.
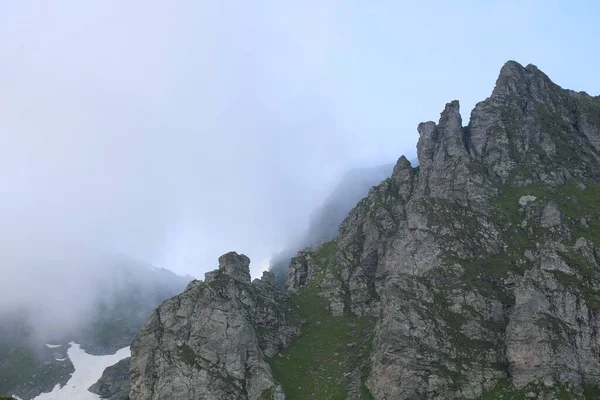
177	131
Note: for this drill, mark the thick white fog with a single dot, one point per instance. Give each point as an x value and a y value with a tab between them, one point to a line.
173	132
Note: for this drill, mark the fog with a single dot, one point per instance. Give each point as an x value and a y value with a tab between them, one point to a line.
172	132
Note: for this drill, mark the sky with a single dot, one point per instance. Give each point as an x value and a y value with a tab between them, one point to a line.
174	132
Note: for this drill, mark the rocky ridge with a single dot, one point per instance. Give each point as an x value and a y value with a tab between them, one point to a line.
473	275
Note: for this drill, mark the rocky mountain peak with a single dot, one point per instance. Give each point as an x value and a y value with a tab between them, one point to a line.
450	119
235	265
515	79
442	140
443	151
403	175
531	130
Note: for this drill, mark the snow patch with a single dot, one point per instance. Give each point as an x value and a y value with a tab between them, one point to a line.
52	346
88	369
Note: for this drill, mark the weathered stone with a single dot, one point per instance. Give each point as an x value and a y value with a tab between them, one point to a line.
212	340
551	215
235	265
115	382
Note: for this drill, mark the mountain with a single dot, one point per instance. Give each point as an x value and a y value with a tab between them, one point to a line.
474	275
127	292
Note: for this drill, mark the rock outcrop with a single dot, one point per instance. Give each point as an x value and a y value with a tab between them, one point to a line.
115	383
475	274
212	341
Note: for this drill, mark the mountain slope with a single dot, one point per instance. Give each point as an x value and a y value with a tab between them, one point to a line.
473	275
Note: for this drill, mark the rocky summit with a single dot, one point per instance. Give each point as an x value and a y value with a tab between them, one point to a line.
474	275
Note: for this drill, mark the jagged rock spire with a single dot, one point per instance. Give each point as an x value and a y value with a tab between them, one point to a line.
447	136
235	265
444	156
403	175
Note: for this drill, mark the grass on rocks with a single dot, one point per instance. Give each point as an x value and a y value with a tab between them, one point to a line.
320	363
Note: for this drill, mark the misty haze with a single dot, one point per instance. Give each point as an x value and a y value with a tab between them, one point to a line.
145	144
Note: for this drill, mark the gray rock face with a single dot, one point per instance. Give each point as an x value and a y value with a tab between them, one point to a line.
211	341
236	266
115	383
299	271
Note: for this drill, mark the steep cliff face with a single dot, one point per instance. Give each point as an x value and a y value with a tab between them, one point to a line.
473	275
211	341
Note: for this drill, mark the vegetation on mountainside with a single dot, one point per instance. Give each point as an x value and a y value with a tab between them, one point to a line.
576	199
580	204
318	363
331	350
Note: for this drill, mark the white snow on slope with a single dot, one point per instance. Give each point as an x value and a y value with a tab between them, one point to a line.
88	369
53	346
